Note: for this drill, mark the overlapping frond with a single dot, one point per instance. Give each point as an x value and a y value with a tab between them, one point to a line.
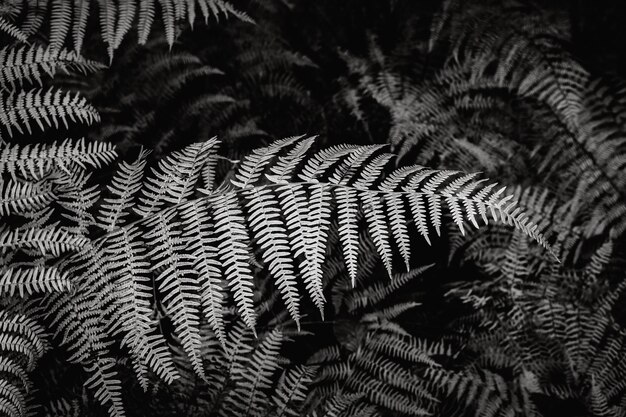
44	108
37	161
28	64
168	246
22	343
116	18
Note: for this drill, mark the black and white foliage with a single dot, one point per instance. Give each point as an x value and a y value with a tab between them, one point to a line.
449	242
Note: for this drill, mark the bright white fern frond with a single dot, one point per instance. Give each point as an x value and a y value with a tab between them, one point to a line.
175	281
282	200
29	280
45	108
252	167
125	184
37	161
17	197
175	179
22	65
233	244
107	388
290	220
54	241
268	226
199	230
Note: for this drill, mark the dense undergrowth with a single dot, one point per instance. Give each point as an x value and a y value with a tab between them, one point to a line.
284	208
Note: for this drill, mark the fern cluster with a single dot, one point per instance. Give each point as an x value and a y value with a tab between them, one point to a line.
162	253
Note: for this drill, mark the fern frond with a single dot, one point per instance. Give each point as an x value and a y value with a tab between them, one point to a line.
300	230
293	204
378	292
10	29
175	282
254	380
22	343
347	204
126	13
233	242
316	227
19	197
60	22
128	263
18	111
253	166
27	281
174	180
271	234
21	65
199	229
125	184
107	389
37	161
53	240
290	392
79	24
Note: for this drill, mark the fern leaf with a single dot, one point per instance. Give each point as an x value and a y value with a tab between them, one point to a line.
167	10
200	231
283	170
316	234
21	344
45	108
176	283
77	198
60	22
347	207
396	214
107	15
317	166
253	165
290	392
232	245
38	160
53	241
377	225
125	184
20	197
79	25
21	65
349	166
248	397
294	206
418	211
146	18
377	293
12	30
219	6
129	267
174	180
271	234
127	11
107	388
27	281
372	171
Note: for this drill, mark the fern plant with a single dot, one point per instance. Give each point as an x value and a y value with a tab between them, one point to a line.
288	201
148	273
